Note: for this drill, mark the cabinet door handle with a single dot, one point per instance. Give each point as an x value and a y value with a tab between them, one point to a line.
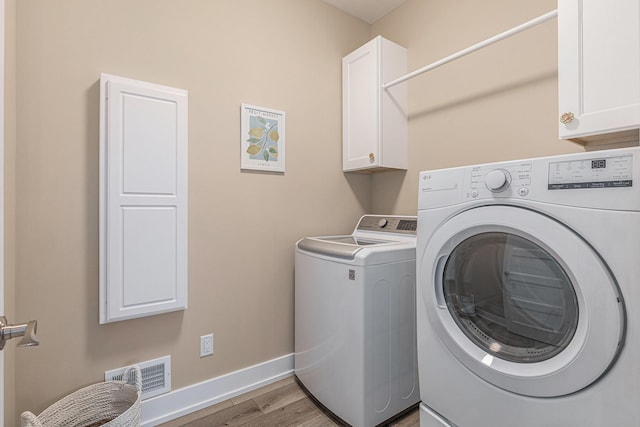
372	157
567	118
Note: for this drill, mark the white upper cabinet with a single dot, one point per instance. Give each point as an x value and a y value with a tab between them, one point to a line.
143	199
374	120
599	69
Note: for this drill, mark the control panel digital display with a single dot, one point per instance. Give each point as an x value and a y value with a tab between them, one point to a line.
599	164
609	172
407	225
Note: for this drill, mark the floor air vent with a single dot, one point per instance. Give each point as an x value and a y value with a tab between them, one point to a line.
156	376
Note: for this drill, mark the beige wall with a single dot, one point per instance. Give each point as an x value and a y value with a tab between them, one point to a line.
497	104
283	54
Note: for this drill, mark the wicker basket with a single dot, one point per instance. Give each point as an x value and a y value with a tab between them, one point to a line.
110	404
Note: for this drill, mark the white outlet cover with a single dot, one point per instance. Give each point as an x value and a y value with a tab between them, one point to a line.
206	345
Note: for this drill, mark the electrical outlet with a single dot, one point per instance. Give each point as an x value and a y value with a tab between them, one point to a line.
206	345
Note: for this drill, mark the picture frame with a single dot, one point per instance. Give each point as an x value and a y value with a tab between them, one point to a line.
262	138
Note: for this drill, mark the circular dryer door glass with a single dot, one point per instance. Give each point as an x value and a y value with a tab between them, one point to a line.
510	297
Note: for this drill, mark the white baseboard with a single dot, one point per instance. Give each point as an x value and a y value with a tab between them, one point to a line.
178	403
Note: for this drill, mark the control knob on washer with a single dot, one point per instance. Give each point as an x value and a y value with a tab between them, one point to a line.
497	180
382	223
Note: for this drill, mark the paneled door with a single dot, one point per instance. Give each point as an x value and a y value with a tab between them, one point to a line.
26	331
2	200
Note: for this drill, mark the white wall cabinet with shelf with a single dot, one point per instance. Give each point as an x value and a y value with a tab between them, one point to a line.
599	70
143	199
374	120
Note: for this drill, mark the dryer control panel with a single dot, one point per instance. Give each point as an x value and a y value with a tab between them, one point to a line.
598	172
599	180
499	179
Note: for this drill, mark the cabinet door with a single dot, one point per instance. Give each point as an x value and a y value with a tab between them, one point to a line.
143	199
360	123
598	66
374	120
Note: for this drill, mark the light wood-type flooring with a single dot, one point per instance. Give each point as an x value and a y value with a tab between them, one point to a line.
283	403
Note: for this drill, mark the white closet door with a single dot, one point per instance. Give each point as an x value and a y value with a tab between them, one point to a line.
143	199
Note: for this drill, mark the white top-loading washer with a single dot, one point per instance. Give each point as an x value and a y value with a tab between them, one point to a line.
355	344
528	304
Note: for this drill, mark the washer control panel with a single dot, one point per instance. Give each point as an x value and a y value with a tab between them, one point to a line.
389	224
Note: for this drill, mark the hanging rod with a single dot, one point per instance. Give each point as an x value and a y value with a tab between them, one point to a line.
478	46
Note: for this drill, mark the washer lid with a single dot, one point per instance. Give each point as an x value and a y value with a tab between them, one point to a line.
338	246
521	300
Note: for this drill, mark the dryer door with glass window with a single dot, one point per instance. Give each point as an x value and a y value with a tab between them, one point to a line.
521	300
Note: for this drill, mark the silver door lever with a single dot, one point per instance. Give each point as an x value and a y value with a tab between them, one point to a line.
25	330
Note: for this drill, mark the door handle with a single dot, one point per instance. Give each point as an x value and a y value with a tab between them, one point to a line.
25	330
438	282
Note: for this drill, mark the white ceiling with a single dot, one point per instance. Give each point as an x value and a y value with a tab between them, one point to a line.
367	10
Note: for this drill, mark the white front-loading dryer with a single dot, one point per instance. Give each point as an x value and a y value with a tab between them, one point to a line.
355	336
528	296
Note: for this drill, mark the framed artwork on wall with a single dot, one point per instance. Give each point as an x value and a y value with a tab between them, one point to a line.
262	138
